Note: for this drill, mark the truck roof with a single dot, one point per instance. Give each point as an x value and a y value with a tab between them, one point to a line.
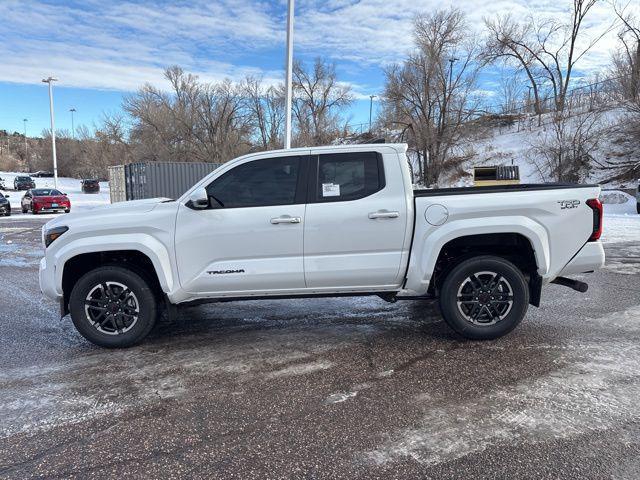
398	147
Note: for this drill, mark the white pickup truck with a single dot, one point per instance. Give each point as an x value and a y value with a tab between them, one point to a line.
318	222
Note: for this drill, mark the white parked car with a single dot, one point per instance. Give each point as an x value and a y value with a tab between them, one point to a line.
325	221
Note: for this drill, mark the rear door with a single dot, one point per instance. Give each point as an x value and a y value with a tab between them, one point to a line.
356	221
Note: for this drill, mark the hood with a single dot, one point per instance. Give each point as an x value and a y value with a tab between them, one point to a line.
98	214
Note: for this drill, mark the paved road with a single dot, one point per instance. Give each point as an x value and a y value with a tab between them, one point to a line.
345	388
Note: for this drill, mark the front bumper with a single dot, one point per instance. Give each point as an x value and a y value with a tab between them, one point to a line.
47	279
590	257
53	210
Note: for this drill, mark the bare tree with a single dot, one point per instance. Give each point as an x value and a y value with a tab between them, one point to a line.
505	40
194	122
318	101
511	93
266	108
565	152
429	96
546	48
627	60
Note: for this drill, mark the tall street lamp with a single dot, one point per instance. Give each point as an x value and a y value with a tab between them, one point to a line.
289	79
50	81
73	131
371	97
26	151
452	60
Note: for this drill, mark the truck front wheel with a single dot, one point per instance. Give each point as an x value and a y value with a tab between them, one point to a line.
112	307
484	298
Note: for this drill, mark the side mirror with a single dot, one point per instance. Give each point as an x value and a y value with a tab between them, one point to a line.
7	196
198	199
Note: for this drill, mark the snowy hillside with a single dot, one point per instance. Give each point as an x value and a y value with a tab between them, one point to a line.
519	143
70	186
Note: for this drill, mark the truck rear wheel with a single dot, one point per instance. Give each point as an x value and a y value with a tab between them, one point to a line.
484	298
112	307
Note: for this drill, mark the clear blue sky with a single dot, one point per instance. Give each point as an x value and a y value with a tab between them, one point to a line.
101	50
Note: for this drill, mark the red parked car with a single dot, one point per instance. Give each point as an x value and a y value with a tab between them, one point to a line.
49	200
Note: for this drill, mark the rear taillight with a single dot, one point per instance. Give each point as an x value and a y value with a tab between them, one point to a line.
596	206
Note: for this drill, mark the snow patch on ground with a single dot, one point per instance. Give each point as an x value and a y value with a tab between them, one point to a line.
625	260
17	262
41	397
619	228
301	369
340	397
598	387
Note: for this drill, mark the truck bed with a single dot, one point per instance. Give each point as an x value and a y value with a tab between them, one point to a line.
431	192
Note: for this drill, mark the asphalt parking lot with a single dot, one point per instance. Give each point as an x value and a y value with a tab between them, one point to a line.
338	388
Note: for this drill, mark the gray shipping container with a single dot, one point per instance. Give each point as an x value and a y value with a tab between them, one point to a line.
157	179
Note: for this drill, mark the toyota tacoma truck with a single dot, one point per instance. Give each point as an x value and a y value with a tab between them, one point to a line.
321	222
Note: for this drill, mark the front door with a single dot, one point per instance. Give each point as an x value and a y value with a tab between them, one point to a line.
355	232
250	239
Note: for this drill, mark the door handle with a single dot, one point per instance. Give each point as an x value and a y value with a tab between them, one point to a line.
383	214
285	219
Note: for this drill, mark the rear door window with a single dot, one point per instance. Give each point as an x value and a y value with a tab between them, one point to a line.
348	176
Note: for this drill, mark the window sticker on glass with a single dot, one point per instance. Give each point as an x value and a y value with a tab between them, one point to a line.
330	190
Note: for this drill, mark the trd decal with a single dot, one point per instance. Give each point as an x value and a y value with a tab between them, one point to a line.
564	204
224	272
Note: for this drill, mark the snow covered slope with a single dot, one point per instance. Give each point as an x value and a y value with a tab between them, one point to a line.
516	145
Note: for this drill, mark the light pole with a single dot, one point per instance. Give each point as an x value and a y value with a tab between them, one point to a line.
26	151
371	97
50	81
452	60
73	131
289	79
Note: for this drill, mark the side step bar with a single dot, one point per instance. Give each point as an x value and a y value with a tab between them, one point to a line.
576	285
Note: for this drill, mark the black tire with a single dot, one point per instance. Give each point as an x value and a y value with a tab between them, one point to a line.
67	210
638	207
25	210
8	212
484	312
111	276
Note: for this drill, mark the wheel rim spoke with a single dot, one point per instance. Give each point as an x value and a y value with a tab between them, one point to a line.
485	298
112	308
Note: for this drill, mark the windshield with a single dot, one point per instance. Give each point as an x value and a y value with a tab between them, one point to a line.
24	179
45	192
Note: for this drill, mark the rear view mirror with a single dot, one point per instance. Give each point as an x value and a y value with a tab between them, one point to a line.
198	199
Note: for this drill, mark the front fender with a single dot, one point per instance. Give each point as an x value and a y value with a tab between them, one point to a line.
430	240
146	244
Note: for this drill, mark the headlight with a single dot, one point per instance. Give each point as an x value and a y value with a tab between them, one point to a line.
52	234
